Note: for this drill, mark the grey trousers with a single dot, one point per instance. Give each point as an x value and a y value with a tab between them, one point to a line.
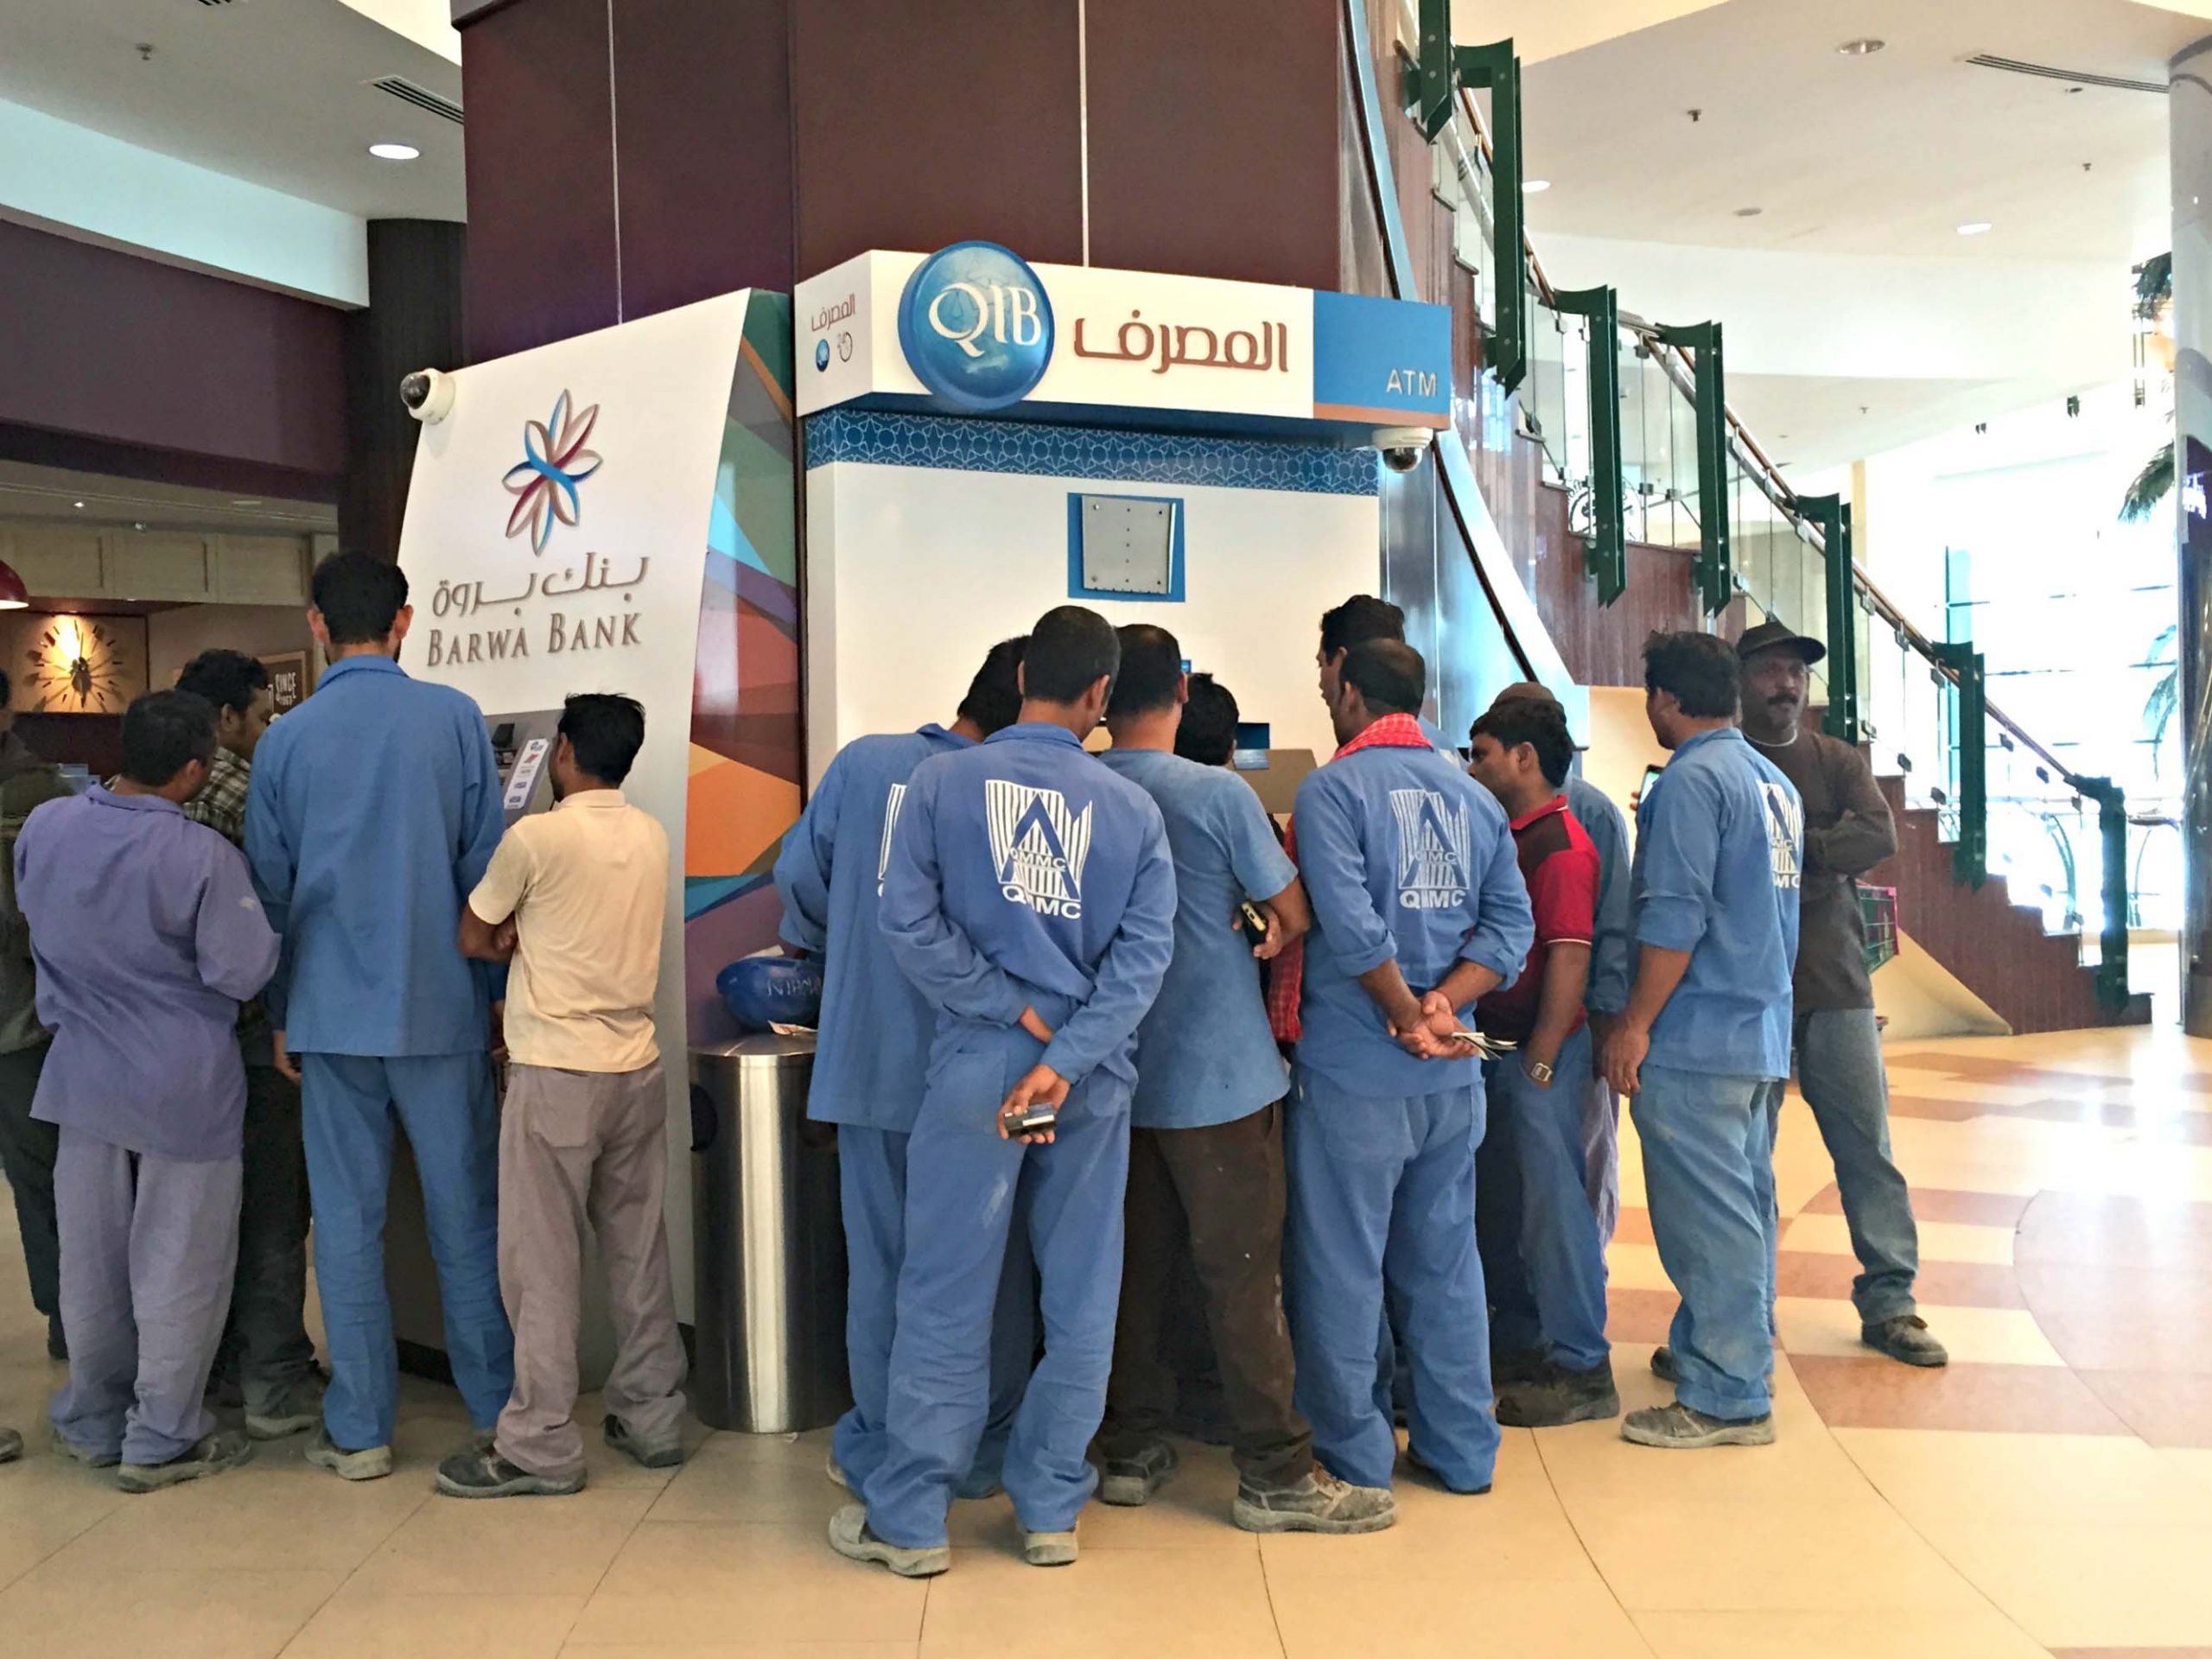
578	1145
265	1346
27	1148
148	1247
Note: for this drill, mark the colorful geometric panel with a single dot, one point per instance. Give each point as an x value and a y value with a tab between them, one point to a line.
733	813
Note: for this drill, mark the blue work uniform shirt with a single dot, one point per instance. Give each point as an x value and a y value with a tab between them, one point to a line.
373	813
1023	875
147	936
1404	856
1607	991
1720	843
875	1046
1205	1053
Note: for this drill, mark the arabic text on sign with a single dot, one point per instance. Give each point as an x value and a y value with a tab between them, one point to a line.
1263	350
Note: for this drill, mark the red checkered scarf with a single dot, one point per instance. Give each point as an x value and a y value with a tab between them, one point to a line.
1286	977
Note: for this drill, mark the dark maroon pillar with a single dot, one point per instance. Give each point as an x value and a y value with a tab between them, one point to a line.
413	322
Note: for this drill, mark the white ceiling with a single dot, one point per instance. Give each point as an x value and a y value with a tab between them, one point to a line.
272	91
50	494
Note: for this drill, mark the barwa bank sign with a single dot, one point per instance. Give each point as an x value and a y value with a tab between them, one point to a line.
975	329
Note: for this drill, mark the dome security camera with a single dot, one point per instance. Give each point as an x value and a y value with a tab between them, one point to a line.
1402	446
428	395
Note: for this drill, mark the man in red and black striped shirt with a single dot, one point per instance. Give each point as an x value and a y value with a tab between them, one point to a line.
1542	1258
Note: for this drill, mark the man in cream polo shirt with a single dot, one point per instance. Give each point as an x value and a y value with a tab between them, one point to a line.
577	896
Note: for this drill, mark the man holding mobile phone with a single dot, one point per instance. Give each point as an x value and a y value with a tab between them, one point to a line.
1030	896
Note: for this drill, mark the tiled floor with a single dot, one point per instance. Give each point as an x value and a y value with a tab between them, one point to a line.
2051	1491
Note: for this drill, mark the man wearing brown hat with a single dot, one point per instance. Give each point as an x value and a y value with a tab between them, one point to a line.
1849	830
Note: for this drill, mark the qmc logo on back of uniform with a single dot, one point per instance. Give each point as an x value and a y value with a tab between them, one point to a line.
1785	831
1038	846
977	326
1435	849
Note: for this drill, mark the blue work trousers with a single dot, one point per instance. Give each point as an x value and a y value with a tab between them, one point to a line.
1382	1234
1542	1262
966	1189
871	1165
1708	1171
446	1104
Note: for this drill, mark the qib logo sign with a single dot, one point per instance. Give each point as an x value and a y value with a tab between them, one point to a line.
977	326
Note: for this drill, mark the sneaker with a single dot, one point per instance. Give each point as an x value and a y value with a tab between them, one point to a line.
1680	1427
294	1411
1126	1483
91	1457
1048	1549
372	1463
1318	1502
1563	1397
1905	1339
225	1448
11	1445
651	1454
1662	1365
849	1537
57	1345
835	1471
486	1474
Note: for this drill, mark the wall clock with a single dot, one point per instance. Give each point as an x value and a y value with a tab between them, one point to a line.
81	664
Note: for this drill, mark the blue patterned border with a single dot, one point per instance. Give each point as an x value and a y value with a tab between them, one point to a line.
1085	452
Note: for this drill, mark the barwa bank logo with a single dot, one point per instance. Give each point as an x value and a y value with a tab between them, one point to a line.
977	326
554	462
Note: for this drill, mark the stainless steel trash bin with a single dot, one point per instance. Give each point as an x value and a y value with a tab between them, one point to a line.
769	1242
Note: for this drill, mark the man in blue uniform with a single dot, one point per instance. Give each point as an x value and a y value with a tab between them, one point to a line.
1206	1145
1030	897
1419	910
872	1053
1719	842
374	808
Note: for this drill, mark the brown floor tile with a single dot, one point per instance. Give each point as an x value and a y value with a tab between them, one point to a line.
2079	1228
1874	1393
2164	1408
1940	1284
1633	1315
1942	1203
2104	1316
2131	1653
1942	1111
1635	1226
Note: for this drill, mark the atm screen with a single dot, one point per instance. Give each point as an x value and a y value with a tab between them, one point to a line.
522	745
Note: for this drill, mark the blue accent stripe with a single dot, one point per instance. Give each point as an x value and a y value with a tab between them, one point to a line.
1080	452
704	893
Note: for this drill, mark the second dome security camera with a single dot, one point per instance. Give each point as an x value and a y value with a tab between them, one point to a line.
428	395
1401	446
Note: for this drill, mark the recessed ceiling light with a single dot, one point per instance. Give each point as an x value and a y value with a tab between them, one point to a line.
247	501
1973	227
1749	213
79	506
1535	186
394	152
1861	49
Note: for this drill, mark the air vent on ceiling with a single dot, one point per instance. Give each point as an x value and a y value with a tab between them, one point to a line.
219	2
404	90
2071	77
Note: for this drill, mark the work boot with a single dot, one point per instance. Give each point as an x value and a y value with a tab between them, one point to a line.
1048	1549
651	1454
1437	1475
486	1474
1515	1366
1316	1502
294	1411
1680	1427
1127	1483
1906	1338
225	1448
11	1445
371	1463
850	1537
91	1456
1564	1396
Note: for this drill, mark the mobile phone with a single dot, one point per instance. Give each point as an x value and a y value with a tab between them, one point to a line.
1255	922
1035	1119
1650	777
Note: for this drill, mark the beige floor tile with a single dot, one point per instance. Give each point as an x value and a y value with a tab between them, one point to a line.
198	1615
743	1650
1112	1603
1941	1480
1939	1241
2093	1586
352	1626
1774	1555
1975	1336
703	1581
1192	1512
1322	1620
728	1480
1515	1533
523	1547
1985	1635
2195	1462
1636	1266
251	1517
1590	1466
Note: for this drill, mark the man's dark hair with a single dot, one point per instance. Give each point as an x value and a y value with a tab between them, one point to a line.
993	699
1208	734
7	688
1388	673
164	732
1152	666
359	597
606	731
1359	619
228	679
1700	670
1540	725
1070	648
